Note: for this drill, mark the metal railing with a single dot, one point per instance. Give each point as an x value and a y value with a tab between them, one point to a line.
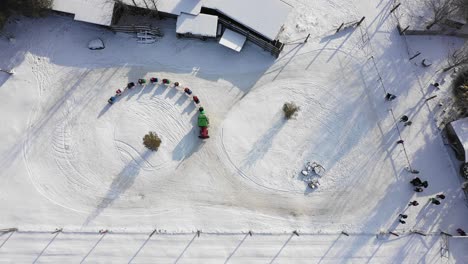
137	28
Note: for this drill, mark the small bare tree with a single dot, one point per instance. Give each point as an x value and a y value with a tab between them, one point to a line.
457	58
441	10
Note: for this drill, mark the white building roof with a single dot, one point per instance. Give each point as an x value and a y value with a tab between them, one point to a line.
262	16
201	25
232	40
175	7
461	129
92	11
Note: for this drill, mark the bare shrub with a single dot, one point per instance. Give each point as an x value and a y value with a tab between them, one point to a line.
152	141
290	109
457	58
441	10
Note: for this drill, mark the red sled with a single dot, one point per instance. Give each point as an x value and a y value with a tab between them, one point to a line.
204	133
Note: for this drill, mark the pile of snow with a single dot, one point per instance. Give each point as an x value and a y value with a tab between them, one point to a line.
96	44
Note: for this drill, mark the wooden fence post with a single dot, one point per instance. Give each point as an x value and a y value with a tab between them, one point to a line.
393	9
339	28
360	21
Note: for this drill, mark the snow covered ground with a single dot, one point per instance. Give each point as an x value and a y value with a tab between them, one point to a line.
70	160
237	248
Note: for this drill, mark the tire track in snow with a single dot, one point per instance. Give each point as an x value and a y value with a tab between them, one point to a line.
322	112
74	175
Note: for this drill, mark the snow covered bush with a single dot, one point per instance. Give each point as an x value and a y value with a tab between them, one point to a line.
152	141
290	109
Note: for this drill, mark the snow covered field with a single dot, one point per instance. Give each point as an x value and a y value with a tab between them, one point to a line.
70	160
237	248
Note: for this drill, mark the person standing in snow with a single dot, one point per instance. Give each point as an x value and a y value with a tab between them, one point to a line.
390	97
440	196
424	184
203	120
401	217
434	201
413	203
405	120
416	181
203	123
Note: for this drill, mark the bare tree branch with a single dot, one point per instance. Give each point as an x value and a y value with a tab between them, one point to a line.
441	10
457	58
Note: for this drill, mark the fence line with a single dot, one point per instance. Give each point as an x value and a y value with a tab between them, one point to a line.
366	40
199	233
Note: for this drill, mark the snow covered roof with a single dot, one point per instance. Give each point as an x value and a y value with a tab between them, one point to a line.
92	11
263	16
232	40
201	25
461	129
175	7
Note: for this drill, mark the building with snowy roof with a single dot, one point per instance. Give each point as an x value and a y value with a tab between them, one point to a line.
259	21
457	132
